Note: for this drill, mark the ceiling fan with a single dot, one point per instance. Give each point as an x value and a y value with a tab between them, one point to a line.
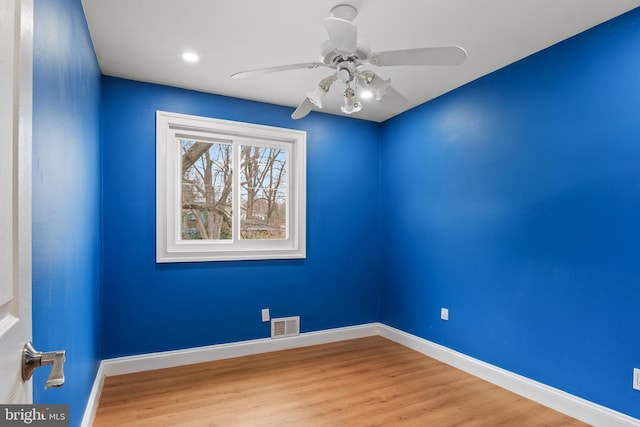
346	56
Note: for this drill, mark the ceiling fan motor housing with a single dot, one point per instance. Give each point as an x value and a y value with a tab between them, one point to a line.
346	71
331	58
344	11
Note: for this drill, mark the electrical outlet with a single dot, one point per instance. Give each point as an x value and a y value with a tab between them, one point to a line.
636	378
444	313
265	315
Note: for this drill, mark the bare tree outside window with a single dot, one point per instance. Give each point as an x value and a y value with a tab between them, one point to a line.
206	190
263	193
207	180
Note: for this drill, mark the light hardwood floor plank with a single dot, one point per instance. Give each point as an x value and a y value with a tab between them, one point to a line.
363	382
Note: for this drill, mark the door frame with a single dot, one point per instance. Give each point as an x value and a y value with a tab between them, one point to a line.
22	121
25	130
25	160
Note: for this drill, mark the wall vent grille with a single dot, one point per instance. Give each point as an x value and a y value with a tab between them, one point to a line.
285	327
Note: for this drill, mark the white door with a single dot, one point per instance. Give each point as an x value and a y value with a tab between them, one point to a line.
16	45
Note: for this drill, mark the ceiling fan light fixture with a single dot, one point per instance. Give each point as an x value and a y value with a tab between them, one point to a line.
318	92
316	95
366	94
351	109
381	87
374	83
350	104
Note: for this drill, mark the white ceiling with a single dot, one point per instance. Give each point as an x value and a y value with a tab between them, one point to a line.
144	40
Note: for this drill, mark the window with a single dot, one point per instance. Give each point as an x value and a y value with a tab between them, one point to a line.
228	190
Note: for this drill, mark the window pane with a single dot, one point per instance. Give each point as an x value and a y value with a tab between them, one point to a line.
263	193
206	190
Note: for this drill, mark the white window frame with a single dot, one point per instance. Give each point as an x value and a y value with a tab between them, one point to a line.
169	244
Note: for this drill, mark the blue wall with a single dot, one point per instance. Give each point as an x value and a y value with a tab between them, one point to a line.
513	201
516	204
66	200
149	307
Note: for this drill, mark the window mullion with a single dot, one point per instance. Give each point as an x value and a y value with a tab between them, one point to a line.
175	196
291	185
235	191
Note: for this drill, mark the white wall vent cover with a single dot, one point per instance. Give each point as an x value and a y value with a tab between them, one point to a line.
285	327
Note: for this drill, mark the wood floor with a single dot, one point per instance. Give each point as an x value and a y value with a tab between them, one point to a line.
363	382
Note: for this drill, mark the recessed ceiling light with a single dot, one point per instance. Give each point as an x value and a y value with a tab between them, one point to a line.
190	57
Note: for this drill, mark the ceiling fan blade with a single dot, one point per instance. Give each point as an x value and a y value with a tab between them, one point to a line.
393	101
343	34
268	70
303	109
444	55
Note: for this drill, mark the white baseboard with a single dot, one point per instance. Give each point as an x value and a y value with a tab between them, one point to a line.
559	400
94	398
170	359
